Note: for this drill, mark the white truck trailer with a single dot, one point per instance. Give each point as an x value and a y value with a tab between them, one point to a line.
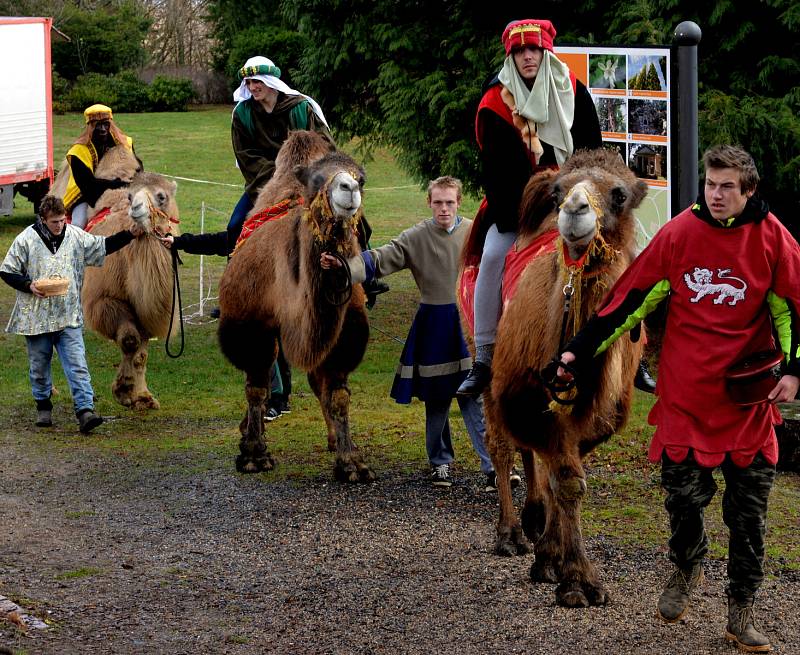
26	116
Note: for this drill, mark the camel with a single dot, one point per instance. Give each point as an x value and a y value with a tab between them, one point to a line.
129	298
274	287
590	202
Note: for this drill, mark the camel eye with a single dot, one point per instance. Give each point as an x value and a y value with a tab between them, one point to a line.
162	198
619	196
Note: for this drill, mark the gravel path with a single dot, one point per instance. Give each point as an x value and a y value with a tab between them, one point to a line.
168	560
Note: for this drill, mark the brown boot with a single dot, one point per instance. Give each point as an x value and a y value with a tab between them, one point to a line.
741	629
674	601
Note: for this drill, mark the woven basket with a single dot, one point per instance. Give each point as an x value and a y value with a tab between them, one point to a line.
53	286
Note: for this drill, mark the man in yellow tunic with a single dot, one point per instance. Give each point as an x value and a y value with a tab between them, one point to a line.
83	188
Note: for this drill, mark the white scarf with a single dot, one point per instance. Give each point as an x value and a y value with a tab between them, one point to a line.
550	104
243	93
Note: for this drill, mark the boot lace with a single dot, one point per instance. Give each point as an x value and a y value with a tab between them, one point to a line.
741	617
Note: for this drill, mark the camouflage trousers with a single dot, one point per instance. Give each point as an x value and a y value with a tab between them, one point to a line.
690	488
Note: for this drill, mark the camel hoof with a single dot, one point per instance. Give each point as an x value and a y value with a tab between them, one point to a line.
543	570
145	402
254	464
350	471
596	594
533	520
510	542
570	594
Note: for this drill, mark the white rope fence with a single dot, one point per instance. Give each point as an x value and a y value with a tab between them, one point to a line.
205	296
199	317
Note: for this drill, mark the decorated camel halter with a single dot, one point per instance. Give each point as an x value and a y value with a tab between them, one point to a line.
318	214
594	261
161	215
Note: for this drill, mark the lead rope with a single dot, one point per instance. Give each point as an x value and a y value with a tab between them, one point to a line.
338	295
176	292
549	373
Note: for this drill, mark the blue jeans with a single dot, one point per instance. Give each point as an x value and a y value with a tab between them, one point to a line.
236	221
489	283
438	441
69	345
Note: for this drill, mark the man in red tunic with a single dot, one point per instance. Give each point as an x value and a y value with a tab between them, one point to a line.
732	275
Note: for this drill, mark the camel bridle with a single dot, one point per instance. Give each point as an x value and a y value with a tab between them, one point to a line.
597	258
318	217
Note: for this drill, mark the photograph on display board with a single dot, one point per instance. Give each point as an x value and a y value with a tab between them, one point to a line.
648	161
611	113
617	146
647	117
647	73
607	71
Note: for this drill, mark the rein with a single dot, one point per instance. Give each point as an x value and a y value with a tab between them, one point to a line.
338	295
176	285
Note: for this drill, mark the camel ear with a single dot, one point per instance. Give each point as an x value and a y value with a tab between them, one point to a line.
301	173
638	194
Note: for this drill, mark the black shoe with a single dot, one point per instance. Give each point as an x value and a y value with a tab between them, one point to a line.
88	421
644	380
491	481
214	313
476	382
515	478
44	418
271	414
440	476
283	406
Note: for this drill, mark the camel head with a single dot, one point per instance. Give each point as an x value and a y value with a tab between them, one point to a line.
332	196
152	203
596	193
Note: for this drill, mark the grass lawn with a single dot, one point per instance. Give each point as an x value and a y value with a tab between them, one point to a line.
202	395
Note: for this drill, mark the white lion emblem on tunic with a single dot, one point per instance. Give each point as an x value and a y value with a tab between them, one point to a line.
701	282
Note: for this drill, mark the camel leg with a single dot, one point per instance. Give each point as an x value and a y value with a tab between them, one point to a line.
334	398
580	584
314	382
547	519
130	386
534	513
510	538
253	454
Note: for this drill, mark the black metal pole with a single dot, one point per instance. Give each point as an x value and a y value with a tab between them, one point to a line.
687	36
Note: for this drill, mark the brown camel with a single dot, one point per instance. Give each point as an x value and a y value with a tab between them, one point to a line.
590	201
274	287
129	298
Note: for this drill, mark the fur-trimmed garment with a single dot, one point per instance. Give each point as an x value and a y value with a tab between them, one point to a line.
728	286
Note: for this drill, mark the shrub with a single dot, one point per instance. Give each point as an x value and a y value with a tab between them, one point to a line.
132	94
170	93
90	89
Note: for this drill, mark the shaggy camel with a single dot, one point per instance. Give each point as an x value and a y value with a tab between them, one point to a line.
274	287
590	201
129	299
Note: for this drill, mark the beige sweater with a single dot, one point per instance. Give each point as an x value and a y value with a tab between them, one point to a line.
427	250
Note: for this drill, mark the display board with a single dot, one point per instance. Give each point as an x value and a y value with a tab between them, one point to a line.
630	89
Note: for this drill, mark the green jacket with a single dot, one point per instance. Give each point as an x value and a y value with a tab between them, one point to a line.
258	135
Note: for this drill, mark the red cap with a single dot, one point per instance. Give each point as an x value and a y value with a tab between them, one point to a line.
529	32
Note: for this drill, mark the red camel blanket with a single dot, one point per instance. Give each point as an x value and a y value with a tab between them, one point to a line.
516	261
264	216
